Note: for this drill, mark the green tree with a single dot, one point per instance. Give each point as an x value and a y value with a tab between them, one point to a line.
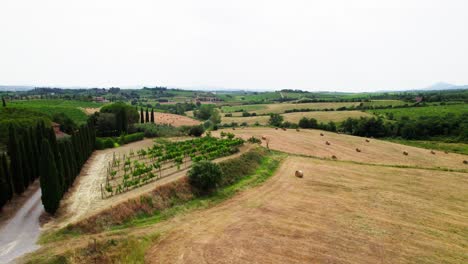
50	185
152	115
147	115
3	101
275	120
4	185
16	170
205	176
6	172
142	120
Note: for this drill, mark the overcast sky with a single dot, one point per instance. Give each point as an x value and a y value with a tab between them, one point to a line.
335	45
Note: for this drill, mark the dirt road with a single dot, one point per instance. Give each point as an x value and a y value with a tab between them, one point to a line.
20	234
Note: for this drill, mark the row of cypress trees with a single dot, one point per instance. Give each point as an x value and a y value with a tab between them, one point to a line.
147	119
35	152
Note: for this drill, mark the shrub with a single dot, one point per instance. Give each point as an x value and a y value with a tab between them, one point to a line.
158	130
205	176
228	115
103	143
254	140
275	120
124	139
196	131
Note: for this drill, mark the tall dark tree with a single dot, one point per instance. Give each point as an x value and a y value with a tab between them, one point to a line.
6	172
142	120
50	186
3	101
25	164
152	115
16	170
5	188
147	116
35	152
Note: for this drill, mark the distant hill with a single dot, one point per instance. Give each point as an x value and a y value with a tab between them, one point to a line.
15	88
444	86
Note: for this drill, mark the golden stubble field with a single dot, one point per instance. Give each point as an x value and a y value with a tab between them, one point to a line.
322	116
309	142
338	213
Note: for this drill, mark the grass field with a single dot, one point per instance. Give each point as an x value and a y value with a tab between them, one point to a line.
384	103
416	112
324	117
282	107
337	213
50	107
309	142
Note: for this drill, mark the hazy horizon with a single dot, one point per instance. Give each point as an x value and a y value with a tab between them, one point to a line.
336	45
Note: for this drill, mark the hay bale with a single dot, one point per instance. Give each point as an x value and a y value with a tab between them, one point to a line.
358	150
276	128
432	152
334	157
465	162
326	142
405	153
297	129
367	140
284	129
321	134
264	138
233	128
446	152
299	174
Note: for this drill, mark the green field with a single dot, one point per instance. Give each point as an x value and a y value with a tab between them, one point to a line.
427	111
70	108
248	108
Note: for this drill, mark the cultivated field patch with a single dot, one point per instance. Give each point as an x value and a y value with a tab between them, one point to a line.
343	147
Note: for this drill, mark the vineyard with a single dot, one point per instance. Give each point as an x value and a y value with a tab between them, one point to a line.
163	159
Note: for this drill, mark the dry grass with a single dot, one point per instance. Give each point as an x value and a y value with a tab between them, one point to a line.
325	117
337	213
281	107
309	142
175	120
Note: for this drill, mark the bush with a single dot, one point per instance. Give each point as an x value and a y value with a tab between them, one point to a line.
254	140
103	143
205	176
196	131
235	169
158	130
125	139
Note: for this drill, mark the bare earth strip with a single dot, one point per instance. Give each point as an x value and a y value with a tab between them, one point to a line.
309	142
338	213
84	198
175	120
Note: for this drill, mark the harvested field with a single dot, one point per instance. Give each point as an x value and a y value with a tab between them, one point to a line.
281	107
338	213
89	111
175	120
309	142
325	117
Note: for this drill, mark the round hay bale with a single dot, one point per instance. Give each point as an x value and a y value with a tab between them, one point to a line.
321	134
432	152
405	153
358	150
297	129
446	152
233	128
284	129
326	142
465	162
276	128
299	174
367	140
334	157
264	138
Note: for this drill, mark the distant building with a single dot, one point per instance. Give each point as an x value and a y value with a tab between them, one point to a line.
58	133
419	99
100	99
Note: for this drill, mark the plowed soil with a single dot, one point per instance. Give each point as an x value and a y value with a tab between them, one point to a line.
175	120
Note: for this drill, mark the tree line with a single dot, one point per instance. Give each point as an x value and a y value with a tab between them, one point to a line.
35	152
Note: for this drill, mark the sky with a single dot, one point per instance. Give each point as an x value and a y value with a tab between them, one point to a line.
332	45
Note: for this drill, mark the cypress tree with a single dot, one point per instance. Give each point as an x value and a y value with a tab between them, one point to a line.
61	175
31	159
3	186
25	165
16	171
142	120
35	152
50	186
152	115
73	164
147	116
124	121
53	142
3	101
66	166
6	172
